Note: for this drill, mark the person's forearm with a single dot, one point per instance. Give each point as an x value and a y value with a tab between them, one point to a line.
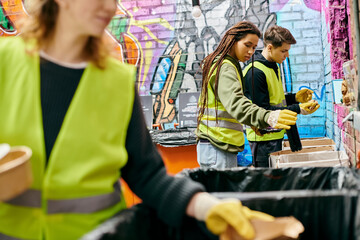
200	204
190	210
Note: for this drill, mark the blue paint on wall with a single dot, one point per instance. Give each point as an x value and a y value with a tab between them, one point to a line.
287	75
161	75
316	92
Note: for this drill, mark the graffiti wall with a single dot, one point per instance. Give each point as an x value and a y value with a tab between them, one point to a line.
167	44
337	50
303	19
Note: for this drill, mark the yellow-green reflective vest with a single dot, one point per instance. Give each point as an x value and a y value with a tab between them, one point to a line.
78	189
277	98
227	129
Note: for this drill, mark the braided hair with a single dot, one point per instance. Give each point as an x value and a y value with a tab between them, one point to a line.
233	35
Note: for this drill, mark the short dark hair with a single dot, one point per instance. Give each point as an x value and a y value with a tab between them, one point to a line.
277	35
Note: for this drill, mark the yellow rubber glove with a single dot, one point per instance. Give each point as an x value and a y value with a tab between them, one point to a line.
282	119
309	107
232	212
304	95
219	214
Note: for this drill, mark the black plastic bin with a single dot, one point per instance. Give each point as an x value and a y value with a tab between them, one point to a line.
325	200
140	222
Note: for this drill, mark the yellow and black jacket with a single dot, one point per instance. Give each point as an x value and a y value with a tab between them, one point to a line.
268	92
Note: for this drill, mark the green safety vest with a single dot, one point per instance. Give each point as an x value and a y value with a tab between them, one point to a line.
227	129
277	98
78	189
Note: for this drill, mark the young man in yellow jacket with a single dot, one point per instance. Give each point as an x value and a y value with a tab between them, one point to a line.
263	85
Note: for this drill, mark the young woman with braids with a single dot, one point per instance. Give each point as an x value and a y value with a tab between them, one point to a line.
223	108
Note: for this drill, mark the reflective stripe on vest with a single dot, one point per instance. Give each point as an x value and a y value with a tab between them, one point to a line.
84	205
223	124
6	237
32	198
277	99
220	114
227	129
282	104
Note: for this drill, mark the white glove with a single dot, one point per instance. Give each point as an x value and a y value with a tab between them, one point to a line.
4	150
282	119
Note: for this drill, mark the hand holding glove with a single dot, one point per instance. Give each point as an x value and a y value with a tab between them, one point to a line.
220	214
309	107
282	119
304	95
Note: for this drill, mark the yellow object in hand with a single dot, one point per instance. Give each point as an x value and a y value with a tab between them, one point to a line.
309	107
304	95
232	212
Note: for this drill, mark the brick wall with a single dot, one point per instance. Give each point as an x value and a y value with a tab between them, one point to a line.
349	136
306	59
335	23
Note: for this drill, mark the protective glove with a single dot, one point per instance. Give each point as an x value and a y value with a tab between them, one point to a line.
282	119
309	107
304	95
219	214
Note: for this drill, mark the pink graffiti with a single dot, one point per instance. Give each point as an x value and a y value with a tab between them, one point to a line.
314	5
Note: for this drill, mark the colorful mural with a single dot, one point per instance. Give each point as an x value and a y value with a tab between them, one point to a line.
11	11
195	38
311	4
167	43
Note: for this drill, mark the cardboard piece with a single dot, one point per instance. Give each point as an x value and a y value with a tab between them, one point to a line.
15	172
305	150
312	142
309	157
281	228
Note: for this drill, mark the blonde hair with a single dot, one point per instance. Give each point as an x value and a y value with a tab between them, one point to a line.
39	25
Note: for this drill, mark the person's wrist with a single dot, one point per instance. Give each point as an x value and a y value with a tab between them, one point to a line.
266	118
273	118
303	111
202	204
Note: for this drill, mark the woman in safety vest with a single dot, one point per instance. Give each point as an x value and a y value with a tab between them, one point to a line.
223	108
77	108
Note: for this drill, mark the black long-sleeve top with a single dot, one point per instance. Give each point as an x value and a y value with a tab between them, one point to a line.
144	172
261	92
